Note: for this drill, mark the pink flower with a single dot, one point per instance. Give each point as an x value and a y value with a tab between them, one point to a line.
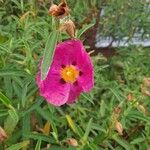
70	74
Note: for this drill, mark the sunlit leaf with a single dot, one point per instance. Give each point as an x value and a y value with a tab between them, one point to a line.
71	123
5	100
18	146
38	145
48	53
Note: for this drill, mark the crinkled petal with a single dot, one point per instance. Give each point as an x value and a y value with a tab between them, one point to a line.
86	80
53	90
66	53
75	91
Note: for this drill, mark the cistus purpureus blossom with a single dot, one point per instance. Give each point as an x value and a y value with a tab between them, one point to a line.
70	74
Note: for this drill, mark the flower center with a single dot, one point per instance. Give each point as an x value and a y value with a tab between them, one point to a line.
69	73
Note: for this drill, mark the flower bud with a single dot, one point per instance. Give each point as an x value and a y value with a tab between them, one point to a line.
69	27
72	142
3	135
117	109
145	90
146	82
129	97
119	127
145	86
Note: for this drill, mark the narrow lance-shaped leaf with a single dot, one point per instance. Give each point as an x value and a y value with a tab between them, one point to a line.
5	100
71	123
18	146
38	145
11	121
87	131
49	52
85	28
122	142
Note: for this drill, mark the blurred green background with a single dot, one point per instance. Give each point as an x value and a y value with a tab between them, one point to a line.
121	79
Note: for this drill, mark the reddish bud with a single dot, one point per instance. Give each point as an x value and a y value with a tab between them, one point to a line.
72	142
129	97
3	135
117	110
119	128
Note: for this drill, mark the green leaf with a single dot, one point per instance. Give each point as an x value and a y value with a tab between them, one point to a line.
38	145
2	114
61	148
32	107
8	88
12	72
139	116
49	52
138	140
38	136
24	94
11	121
71	123
84	29
18	145
3	39
121	142
88	98
26	125
5	100
92	146
102	108
116	94
87	131
46	115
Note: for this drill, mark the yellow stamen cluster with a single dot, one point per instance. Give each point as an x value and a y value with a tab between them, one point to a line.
69	74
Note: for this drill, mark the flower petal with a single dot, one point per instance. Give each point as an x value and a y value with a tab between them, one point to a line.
75	91
67	52
86	80
53	90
